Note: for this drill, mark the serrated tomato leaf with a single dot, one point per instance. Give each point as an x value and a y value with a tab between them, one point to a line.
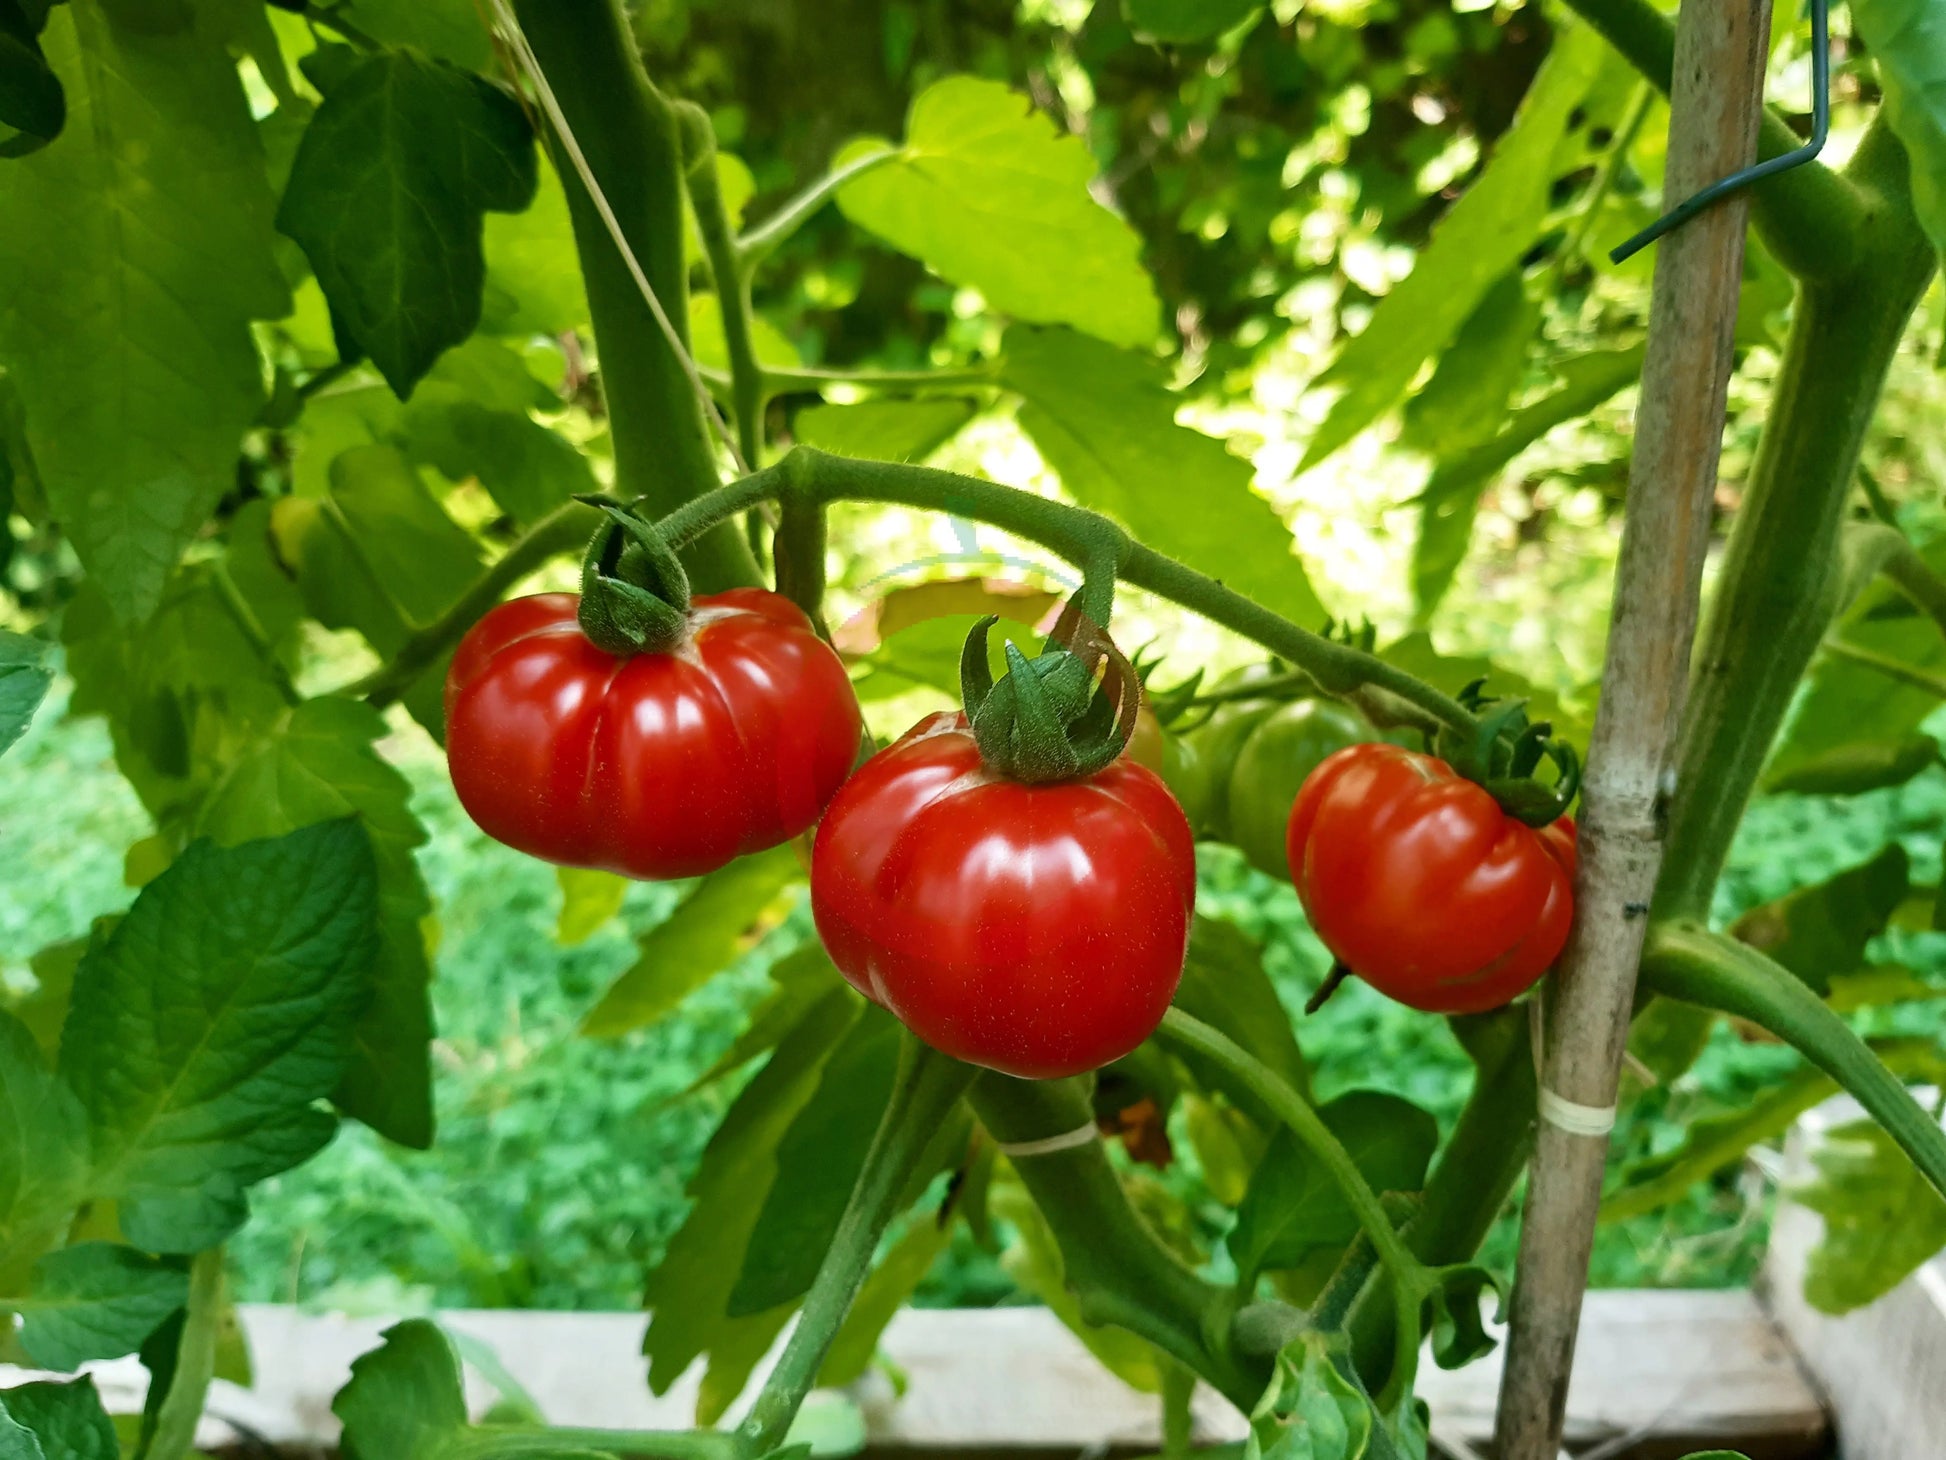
205	1028
317	764
66	1422
1105	420
388	197
97	1300
990	193
134	253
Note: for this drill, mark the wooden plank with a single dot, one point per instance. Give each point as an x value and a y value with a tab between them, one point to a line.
1882	1367
1688	1369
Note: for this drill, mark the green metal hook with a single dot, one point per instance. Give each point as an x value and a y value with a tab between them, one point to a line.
1737	181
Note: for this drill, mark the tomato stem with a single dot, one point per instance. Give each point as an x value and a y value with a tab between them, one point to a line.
1411	1280
928	1085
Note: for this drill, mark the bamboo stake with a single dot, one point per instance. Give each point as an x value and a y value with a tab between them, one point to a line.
1716	106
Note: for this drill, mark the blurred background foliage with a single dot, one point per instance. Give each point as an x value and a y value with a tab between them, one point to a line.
1283	176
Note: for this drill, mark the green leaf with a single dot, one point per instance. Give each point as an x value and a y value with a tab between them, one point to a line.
17	1442
96	1300
1465	402
1309	1411
926	655
452	30
1294	1206
206	1025
134	252
990	193
1862	765
1820	932
1224	985
689	1290
1106	422
318	764
892	1282
883	430
818	1161
589	898
381	557
1713	1143
24	678
43	1151
405	1400
1844	702
533	274
1882	1219
33	107
1186	22
525	467
1494	223
1416	655
800	980
387	199
706	342
1908	40
1451	498
66	1420
1459	1334
1034	1261
705	933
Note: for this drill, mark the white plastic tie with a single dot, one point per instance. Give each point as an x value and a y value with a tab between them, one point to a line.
1557	1110
1574	1118
1048	1145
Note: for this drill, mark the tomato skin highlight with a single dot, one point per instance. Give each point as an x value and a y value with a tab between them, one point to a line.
653	765
1416	879
1036	930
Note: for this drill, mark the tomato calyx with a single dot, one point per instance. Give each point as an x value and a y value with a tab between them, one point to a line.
1504	752
1064	714
634	592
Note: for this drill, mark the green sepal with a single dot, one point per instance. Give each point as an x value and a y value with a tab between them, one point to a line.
1502	753
975	676
634	592
1046	720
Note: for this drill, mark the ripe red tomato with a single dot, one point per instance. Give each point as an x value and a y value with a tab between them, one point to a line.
1038	930
1417	880
654	765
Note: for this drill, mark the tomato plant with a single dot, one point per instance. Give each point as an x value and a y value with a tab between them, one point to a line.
330	332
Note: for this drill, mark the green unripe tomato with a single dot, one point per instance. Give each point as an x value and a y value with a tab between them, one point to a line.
1216	746
1282	750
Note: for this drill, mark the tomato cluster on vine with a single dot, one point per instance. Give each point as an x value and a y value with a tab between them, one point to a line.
1016	883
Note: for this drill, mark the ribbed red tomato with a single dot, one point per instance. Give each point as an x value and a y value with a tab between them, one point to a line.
1423	886
656	764
1038	930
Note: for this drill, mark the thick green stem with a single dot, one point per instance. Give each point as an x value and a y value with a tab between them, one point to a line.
1093	542
1115	1265
1468	1190
627	131
928	1086
1408	1277
1687	962
747	393
1781	581
1810	217
174	1436
799	552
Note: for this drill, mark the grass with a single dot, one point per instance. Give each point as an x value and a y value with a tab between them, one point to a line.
559	1169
